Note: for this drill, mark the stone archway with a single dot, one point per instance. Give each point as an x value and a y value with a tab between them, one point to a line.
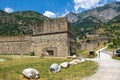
50	51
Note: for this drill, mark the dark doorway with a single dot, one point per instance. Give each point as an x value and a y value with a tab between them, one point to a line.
50	52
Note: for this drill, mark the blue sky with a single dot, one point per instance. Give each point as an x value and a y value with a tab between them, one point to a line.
51	8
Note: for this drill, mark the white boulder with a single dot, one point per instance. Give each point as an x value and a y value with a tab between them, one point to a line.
55	68
73	62
31	73
82	60
64	64
78	61
2	60
74	56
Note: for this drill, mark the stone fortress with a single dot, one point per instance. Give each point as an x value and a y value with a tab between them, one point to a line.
52	37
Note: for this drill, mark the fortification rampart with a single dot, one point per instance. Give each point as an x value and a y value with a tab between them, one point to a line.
14	38
15	45
52	26
91	45
51	45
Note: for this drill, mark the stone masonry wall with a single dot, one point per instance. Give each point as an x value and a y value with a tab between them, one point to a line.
52	26
15	45
56	42
93	44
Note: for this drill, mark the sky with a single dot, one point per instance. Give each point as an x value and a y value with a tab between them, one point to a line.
51	8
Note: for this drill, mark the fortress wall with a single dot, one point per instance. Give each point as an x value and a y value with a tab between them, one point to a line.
56	42
52	26
89	46
15	45
14	38
93	44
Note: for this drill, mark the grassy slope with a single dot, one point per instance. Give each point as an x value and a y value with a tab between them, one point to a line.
13	67
19	23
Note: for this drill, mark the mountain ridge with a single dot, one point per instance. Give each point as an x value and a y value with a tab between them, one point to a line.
19	23
91	20
103	13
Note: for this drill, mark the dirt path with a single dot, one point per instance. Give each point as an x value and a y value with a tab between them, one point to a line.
109	69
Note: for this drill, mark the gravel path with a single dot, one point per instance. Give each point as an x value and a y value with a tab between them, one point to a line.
109	69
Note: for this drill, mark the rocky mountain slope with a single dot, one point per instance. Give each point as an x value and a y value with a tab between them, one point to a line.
112	28
72	17
103	13
87	22
100	14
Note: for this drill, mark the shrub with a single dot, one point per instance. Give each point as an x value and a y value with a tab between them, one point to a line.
111	46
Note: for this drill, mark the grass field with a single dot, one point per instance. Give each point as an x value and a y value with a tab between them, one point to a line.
85	54
12	68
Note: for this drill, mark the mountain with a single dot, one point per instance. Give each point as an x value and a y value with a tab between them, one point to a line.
112	28
30	14
18	23
104	13
72	17
93	19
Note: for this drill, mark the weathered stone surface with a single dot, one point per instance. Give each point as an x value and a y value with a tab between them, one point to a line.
31	73
56	43
64	64
82	60
54	38
74	56
15	45
52	26
55	68
78	61
72	17
75	62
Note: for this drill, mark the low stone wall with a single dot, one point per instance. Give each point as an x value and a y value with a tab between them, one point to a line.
91	45
15	45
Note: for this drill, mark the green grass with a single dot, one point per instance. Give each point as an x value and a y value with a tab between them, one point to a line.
116	58
13	67
111	49
85	54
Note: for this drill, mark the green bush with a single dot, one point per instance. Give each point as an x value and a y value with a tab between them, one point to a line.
111	46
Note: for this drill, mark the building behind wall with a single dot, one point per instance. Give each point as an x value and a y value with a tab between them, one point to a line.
52	37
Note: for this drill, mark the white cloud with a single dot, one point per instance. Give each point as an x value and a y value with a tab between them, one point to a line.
49	14
66	12
117	0
103	2
8	10
87	4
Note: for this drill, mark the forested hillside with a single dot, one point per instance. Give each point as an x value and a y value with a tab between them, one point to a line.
18	23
